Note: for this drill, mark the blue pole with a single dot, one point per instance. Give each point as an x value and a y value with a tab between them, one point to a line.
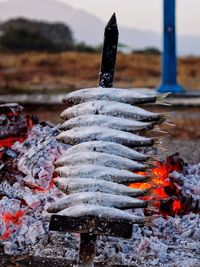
169	61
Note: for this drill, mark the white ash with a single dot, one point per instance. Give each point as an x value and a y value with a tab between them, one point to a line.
37	155
168	243
190	181
172	242
35	159
24	235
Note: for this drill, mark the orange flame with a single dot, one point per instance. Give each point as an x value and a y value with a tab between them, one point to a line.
8	142
176	206
11	218
159	182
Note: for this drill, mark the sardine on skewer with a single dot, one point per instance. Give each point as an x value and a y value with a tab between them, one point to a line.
100	159
111	94
96	198
96	133
99	211
112	122
107	147
100	172
111	108
75	185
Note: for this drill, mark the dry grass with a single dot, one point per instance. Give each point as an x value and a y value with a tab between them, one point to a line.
70	70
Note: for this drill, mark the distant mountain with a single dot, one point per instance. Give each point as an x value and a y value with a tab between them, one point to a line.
86	27
23	34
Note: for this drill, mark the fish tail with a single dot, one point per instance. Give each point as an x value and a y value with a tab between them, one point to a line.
160	147
169	123
164	117
161	99
151	162
151	165
162	96
158	144
153	157
148	220
153	209
158	130
160	120
152	202
163	103
150	190
158	141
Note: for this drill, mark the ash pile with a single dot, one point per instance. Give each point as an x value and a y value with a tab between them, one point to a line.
27	155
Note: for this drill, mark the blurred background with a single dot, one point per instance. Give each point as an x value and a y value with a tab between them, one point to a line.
50	47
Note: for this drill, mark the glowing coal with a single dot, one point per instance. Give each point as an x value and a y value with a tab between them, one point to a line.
177	187
15	125
26	187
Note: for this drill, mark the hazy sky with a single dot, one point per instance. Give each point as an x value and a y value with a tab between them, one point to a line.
144	14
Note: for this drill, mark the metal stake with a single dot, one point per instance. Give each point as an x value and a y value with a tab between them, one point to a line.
109	53
106	78
87	250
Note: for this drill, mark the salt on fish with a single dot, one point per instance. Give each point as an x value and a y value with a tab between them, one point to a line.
111	108
96	133
75	185
112	122
96	198
100	172
98	211
107	147
110	94
100	159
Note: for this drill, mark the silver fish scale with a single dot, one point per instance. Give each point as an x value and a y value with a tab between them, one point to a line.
98	133
111	94
107	147
127	125
99	125
101	159
110	108
75	185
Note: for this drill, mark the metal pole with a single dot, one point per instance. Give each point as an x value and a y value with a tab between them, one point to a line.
169	61
109	53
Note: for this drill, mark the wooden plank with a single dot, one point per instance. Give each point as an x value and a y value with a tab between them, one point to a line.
93	225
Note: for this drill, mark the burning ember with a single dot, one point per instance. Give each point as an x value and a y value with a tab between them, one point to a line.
168	190
28	150
165	190
15	125
26	171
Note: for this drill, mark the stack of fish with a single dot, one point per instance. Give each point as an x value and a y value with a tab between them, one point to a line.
102	126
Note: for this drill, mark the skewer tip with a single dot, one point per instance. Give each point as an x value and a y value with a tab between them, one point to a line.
113	21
